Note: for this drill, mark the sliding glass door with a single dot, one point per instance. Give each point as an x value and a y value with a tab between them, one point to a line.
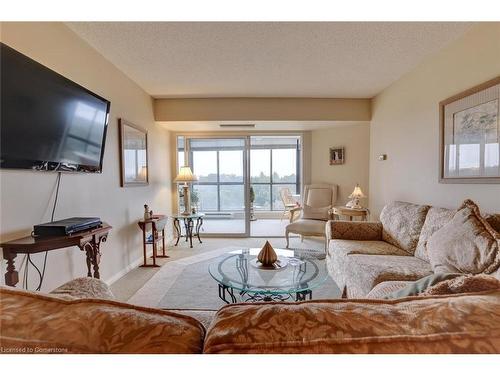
220	192
241	181
274	165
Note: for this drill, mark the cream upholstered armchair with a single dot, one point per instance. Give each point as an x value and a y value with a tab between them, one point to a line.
311	218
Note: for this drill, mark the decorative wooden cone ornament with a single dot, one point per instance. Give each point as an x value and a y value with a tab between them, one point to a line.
267	256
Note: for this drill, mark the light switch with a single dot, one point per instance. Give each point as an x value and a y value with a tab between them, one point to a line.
382	157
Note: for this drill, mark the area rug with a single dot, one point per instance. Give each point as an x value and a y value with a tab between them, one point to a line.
186	284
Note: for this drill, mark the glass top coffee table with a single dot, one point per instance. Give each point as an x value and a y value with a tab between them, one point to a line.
237	273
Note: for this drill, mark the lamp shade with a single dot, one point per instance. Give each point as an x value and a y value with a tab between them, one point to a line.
357	193
185	175
143	173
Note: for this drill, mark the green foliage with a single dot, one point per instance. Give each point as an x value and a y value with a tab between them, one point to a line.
194	197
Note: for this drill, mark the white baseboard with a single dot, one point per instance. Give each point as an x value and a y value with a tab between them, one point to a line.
136	263
123	272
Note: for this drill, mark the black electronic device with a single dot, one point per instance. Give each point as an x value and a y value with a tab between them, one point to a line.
66	226
48	121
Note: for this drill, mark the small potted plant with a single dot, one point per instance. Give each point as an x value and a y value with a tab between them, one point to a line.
194	201
252	199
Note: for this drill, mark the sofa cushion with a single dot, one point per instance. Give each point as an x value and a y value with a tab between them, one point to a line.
402	223
468	323
316	213
339	250
436	218
319	195
466	244
354	230
33	320
493	220
205	317
464	284
84	287
421	285
387	287
366	271
307	226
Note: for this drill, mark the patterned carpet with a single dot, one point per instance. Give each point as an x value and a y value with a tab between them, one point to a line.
186	284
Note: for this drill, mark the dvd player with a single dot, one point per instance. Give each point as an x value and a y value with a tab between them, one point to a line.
66	226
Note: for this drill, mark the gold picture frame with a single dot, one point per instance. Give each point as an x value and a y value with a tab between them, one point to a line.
134	168
337	155
469	136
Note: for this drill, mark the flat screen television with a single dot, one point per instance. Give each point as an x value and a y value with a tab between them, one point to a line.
48	122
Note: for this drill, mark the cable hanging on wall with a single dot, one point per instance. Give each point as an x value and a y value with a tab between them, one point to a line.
28	259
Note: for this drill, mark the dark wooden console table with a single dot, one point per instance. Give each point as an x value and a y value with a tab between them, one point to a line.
157	223
88	241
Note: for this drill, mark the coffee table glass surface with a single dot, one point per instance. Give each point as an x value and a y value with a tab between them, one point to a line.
239	270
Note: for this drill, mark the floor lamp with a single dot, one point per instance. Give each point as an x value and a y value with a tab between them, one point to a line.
186	175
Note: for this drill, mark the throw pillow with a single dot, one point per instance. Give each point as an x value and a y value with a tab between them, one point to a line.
435	219
316	213
421	285
402	223
466	244
493	220
464	284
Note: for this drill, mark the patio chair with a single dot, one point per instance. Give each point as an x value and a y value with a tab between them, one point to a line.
311	218
288	202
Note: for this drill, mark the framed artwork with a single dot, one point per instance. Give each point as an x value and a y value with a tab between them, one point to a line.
133	154
337	155
470	135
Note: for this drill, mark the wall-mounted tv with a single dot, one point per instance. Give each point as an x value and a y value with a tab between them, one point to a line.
48	122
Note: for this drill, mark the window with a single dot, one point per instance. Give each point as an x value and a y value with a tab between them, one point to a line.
218	164
274	165
260	166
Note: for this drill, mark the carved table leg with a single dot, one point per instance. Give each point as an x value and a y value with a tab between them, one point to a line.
189	229
88	253
177	228
93	253
186	228
11	276
199	223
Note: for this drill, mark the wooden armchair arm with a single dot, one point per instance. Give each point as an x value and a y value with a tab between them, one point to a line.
295	213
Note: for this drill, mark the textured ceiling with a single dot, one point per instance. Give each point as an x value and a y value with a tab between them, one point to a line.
262	59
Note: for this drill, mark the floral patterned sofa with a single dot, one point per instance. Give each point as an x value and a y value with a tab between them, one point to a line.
461	315
82	317
372	259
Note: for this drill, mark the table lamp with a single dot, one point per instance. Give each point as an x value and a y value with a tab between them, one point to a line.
355	196
186	175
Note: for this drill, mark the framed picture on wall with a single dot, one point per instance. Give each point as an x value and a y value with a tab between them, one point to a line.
337	155
470	135
133	154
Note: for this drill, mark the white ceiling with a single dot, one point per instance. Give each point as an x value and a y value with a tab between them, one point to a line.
262	59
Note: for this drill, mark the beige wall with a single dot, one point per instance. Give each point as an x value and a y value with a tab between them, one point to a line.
262	109
405	125
26	196
355	138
